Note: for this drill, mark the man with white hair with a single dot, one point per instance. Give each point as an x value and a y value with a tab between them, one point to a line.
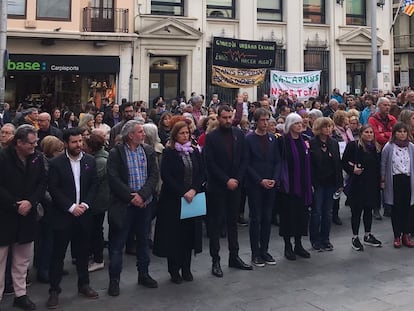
132	178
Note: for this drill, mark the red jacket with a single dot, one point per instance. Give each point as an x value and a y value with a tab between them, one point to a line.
382	127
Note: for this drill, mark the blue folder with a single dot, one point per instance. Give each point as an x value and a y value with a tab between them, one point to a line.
197	207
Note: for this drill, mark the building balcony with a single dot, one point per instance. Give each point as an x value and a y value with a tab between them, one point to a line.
404	43
98	19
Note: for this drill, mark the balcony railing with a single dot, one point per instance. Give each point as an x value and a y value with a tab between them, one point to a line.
105	19
404	41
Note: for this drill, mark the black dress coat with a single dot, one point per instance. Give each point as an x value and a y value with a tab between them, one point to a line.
317	161
117	169
63	192
219	166
368	184
19	182
167	229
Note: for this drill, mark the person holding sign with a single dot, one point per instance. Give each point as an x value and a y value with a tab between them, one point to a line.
182	173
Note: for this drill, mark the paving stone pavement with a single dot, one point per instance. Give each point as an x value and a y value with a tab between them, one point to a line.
376	279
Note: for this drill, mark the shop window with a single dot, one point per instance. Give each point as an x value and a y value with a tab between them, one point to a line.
167	7
269	10
314	11
53	9
221	9
356	12
16	8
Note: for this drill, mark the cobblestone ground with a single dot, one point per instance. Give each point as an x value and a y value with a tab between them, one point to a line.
376	279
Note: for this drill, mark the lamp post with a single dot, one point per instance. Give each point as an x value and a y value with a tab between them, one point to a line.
374	60
3	42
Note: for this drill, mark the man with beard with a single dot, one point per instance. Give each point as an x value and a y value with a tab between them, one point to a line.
128	113
72	185
226	163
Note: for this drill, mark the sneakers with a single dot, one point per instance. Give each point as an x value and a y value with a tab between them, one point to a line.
242	221
268	259
327	246
317	246
258	261
356	244
95	266
397	242
372	241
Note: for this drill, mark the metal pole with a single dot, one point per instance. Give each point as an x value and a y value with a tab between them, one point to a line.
374	44
3	42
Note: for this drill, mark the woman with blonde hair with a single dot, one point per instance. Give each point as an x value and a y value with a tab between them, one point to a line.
407	117
361	161
87	121
326	171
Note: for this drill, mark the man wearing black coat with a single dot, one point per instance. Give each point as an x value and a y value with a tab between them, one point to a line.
226	163
72	185
22	186
132	178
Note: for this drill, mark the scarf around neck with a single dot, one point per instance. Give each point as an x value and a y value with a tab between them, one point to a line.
184	149
296	182
401	143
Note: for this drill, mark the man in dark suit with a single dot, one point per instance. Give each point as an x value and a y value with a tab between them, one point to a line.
226	163
262	175
72	185
132	178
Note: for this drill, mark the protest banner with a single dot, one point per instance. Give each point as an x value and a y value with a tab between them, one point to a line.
302	84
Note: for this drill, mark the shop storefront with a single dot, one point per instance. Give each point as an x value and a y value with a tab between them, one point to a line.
53	80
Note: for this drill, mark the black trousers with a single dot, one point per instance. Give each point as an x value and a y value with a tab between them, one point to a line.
78	235
97	237
401	213
223	205
356	212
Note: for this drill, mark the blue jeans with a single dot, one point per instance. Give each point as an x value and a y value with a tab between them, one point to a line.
138	219
261	203
321	215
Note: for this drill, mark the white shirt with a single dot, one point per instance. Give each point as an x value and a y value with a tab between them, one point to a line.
400	161
75	165
245	109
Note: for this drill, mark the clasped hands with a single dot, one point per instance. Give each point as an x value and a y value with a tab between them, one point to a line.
268	183
137	200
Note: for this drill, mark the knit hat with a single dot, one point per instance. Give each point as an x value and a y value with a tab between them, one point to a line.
291	119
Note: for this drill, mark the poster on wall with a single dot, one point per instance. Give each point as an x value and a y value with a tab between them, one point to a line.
237	77
228	52
302	84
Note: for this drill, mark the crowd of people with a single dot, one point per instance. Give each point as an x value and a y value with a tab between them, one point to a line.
63	174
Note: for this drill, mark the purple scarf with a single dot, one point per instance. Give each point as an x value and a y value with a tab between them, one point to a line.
185	149
297	186
401	143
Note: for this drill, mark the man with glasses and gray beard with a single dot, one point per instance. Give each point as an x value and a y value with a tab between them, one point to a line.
22	186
